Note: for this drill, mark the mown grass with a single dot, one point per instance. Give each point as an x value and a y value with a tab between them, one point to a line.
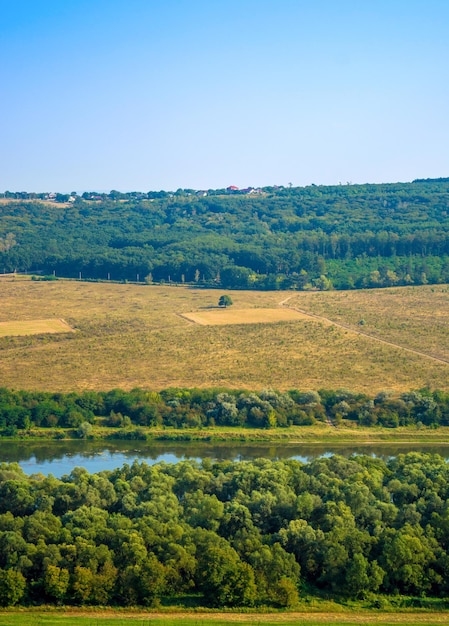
311	611
134	336
93	619
222	317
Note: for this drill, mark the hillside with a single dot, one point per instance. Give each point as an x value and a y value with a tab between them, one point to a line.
303	238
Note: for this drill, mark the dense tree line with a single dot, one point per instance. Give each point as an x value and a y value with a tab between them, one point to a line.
300	238
193	408
234	533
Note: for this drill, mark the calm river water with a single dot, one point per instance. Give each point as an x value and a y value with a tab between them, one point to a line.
61	457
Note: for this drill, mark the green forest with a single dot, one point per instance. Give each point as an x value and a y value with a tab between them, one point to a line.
227	534
202	408
315	237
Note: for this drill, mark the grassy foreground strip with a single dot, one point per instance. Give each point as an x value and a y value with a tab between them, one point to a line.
106	618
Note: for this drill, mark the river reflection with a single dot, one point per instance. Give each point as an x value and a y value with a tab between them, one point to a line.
61	457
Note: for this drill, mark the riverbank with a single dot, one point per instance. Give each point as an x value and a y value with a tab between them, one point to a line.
346	433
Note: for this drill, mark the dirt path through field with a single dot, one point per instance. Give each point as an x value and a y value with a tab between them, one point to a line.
326	320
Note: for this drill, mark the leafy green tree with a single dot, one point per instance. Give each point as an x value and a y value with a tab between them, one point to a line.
82	584
12	547
221	576
16	495
56	582
410	560
104	584
180	565
12	587
284	593
203	510
42	525
271	565
235	277
152	581
229	581
128	585
304	541
225	301
357	579
85	430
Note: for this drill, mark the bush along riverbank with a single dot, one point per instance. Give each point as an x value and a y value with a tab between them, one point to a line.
219	414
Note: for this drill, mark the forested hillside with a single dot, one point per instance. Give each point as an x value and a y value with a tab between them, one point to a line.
343	236
232	533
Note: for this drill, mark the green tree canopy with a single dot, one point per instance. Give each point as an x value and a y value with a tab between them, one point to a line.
225	301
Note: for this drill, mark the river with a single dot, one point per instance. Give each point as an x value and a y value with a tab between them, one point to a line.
61	457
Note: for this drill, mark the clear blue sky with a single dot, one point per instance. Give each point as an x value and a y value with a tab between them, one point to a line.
161	94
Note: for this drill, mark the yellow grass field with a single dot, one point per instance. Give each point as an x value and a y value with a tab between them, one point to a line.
28	201
33	327
222	317
136	336
416	317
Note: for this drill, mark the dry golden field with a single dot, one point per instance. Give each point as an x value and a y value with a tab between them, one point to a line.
28	201
135	336
33	327
415	317
222	317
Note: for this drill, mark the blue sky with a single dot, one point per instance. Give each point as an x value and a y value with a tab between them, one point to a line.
162	94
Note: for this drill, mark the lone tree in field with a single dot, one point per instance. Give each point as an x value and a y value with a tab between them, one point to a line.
225	301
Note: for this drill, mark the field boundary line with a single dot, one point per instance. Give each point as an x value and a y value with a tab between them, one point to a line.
187	319
385	342
72	330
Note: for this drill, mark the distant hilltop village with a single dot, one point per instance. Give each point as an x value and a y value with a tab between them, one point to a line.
97	196
135	195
